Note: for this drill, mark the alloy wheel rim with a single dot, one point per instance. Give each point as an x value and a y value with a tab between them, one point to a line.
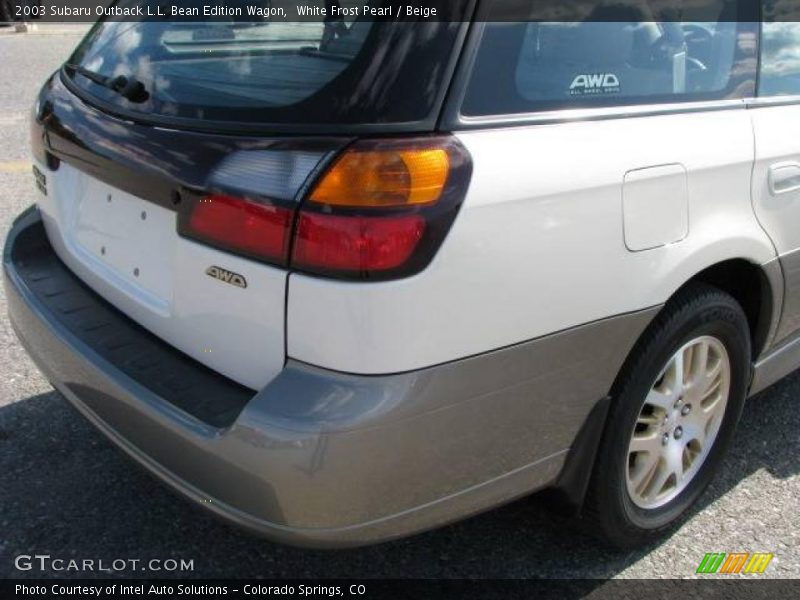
678	422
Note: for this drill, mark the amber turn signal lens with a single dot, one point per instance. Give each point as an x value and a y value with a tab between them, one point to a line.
384	178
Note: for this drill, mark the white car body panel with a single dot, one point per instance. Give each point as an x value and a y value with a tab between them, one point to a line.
777	129
538	246
237	332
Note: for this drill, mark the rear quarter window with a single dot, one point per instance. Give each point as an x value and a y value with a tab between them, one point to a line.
780	59
598	62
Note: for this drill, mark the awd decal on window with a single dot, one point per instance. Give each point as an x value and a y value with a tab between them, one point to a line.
594	83
227	276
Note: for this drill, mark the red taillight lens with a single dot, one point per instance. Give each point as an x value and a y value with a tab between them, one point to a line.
357	244
258	230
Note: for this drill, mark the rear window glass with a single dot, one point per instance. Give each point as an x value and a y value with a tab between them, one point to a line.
338	72
527	67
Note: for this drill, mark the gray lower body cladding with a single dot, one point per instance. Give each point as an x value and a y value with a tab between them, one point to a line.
321	458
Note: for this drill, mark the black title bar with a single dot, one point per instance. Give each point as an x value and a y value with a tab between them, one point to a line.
409	10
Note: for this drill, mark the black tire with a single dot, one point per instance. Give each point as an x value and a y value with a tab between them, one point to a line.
698	310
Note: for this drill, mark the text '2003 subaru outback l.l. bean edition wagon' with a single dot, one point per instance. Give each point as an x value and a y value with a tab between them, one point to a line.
348	280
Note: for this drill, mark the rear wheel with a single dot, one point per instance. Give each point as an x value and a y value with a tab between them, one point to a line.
673	415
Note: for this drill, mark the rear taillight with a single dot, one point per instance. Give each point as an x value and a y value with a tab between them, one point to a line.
379	211
382	208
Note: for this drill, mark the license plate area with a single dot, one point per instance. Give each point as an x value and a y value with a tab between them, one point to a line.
235	331
126	239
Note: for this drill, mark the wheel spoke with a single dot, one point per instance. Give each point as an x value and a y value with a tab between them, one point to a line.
660	399
645	467
674	460
657	483
713	374
650	444
702	417
695	431
699	367
678	378
714	386
712	424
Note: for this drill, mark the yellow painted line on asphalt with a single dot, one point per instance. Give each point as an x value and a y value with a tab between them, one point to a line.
15	166
12	118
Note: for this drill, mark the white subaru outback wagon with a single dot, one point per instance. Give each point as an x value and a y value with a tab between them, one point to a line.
343	281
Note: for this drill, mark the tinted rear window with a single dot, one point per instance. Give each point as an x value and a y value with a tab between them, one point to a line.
329	73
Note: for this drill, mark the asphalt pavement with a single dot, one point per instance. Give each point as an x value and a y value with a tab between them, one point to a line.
66	492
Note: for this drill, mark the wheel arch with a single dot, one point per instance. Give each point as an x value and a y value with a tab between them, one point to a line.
757	288
759	291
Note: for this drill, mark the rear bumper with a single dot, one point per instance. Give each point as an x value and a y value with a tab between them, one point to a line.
325	459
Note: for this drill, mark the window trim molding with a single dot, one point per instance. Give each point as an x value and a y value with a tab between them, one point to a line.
766	101
572	115
596	114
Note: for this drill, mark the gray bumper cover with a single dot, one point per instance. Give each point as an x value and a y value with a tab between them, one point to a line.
320	458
